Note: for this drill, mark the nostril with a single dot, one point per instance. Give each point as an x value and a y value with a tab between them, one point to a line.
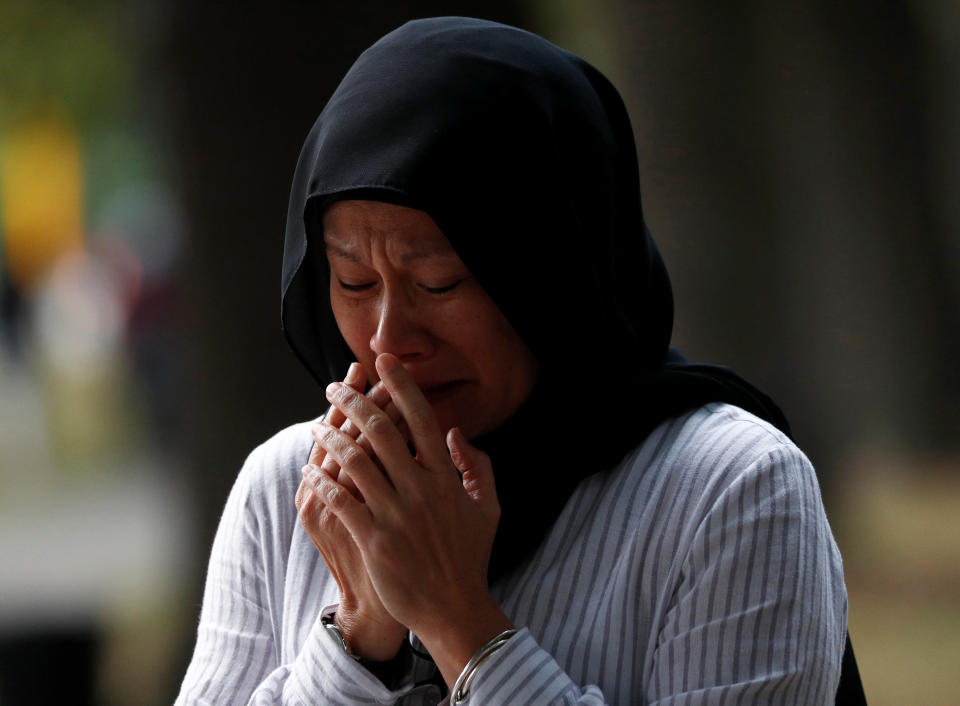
400	332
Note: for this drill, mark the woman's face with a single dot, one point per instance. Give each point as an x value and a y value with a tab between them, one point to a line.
397	286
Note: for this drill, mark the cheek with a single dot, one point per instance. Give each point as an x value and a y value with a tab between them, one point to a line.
518	367
357	327
499	353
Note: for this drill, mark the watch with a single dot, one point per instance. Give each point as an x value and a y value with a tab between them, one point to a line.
330	624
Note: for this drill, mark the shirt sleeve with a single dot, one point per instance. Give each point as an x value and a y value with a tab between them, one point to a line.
758	615
236	659
760	611
522	672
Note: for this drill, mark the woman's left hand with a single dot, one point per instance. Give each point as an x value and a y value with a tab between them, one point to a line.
367	627
424	533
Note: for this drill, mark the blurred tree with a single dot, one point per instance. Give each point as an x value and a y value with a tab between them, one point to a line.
802	201
61	57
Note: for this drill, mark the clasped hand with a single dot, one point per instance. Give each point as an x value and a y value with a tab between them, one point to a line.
407	538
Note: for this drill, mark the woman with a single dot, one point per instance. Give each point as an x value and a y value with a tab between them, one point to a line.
465	225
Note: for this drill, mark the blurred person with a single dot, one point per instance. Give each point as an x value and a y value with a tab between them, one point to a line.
520	494
11	315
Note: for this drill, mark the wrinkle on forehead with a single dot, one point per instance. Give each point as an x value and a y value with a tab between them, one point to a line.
352	229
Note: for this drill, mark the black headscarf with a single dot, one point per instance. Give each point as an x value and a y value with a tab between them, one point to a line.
523	154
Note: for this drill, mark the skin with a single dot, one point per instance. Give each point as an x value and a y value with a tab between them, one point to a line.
374	633
408	539
397	286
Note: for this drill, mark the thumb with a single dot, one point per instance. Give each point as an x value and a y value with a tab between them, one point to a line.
475	467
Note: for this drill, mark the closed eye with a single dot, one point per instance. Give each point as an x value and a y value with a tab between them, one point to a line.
441	290
355	287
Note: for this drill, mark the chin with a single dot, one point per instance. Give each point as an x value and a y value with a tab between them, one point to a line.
467	420
448	418
454	407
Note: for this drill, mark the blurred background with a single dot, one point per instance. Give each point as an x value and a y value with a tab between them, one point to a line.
800	166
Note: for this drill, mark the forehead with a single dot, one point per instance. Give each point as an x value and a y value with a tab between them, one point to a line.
352	228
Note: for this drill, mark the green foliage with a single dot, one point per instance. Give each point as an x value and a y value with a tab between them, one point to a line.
62	58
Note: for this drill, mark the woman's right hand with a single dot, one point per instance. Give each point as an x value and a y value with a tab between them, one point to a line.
369	630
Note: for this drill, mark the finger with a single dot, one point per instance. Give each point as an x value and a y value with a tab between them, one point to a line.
309	506
313	511
310	513
475	467
356	378
377	394
317	455
354	515
386	441
301	497
356	463
416	410
380	396
342	477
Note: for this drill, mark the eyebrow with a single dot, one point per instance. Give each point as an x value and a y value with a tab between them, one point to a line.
405	259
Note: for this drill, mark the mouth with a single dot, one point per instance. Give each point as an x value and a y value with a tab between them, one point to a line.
438	393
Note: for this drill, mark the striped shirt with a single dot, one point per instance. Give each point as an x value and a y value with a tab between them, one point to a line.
701	570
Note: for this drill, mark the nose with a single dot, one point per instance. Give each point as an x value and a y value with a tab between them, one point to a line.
400	329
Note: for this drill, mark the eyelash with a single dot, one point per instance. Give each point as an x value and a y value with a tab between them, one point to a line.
429	290
442	290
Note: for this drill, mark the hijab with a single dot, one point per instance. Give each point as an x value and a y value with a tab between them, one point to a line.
523	154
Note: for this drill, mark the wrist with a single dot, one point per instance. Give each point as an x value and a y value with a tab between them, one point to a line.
369	637
461	690
455	636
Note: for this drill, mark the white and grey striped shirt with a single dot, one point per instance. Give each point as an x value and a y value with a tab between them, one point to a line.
702	570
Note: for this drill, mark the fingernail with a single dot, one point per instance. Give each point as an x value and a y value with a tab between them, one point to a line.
351	370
